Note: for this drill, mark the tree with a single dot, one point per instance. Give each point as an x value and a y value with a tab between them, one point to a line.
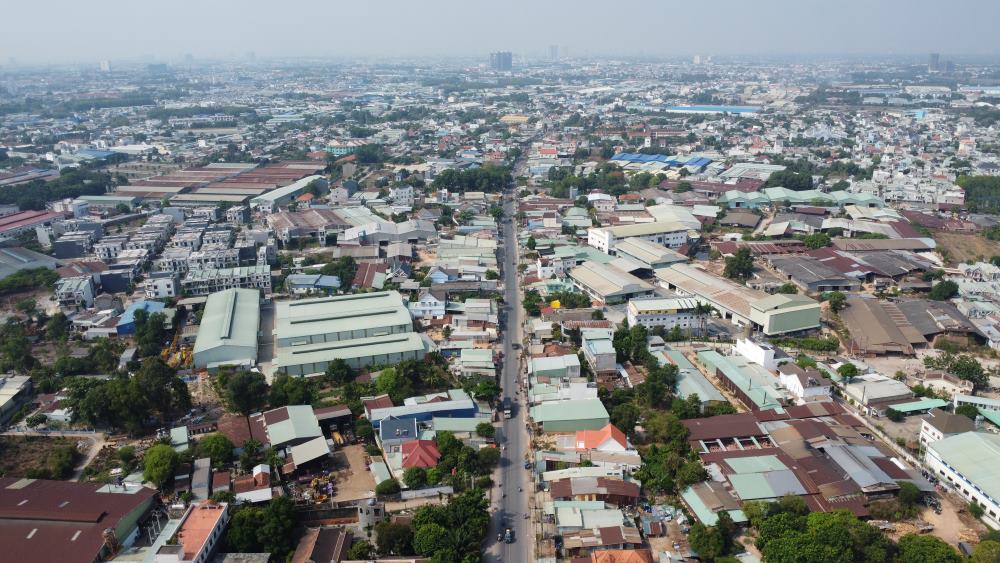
707	542
415	477
788	288
944	290
926	549
848	371
488	458
967	410
216	447
740	265
837	301
35	420
344	268
816	240
360	550
339	372
988	551
165	393
396	385
976	509
15	348
430	539
394	539
159	464
246	393
289	390
531	243
909	494
894	415
968	368
485	429
57	327
387	487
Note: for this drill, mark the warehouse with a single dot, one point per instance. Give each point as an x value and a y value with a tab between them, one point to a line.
968	462
282	196
570	416
668	313
649	255
668	233
363	329
15	259
811	274
228	331
608	284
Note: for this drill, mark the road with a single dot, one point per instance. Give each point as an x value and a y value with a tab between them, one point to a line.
513	434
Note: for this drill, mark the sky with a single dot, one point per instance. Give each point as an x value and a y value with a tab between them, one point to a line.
60	31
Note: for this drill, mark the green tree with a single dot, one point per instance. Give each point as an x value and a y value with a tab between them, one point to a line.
707	542
339	372
740	265
275	533
387	487
837	301
165	393
988	551
217	447
159	464
848	371
394	539
290	390
360	550
57	327
430	539
944	290
926	549
485	429
967	410
488	458
788	288
396	385
415	477
817	240
531	243
245	393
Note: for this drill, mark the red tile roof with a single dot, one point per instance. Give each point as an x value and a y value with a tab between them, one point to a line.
420	453
592	439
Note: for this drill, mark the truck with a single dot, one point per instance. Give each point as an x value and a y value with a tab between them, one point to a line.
507	407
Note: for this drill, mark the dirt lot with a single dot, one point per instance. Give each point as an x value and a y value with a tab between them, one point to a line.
19	454
354	481
954	524
961	247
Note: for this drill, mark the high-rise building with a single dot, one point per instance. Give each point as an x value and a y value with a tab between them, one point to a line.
934	64
501	60
105	66
697	59
554	52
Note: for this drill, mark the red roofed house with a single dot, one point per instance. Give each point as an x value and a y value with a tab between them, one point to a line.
420	453
607	439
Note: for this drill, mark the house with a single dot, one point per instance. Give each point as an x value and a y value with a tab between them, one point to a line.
938	425
420	453
555	367
126	323
76	292
255	487
430	304
198	535
300	284
328	544
804	384
570	416
607	489
598	349
607	439
394	432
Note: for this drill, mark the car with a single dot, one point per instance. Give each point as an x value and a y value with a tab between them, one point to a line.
508	535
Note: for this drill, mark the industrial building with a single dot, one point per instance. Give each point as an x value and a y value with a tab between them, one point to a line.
282	196
228	331
668	313
608	284
667	233
967	462
15	259
361	329
570	416
771	314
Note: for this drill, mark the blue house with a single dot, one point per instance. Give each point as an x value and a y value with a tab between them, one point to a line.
126	323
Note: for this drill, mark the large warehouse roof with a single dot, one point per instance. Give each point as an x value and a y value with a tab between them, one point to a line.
341	313
608	281
373	346
231	318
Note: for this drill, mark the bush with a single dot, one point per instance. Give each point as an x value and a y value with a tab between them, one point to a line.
387	487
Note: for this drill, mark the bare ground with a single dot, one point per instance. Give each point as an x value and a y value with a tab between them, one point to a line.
961	247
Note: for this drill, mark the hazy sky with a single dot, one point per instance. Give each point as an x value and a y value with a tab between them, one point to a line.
75	31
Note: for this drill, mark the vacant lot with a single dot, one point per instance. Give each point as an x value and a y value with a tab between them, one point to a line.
353	480
37	457
960	247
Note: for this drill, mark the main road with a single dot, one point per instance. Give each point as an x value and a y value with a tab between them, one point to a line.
514	485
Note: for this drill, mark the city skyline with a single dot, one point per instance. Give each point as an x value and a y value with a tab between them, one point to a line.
227	30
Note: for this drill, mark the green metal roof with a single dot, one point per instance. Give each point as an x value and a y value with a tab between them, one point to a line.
582	409
705	514
341	313
755	464
230	318
976	455
345	349
301	423
921	405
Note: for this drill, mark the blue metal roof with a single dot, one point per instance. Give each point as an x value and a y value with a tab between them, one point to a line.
128	317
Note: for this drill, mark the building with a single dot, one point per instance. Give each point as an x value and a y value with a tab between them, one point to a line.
605	283
300	284
14	259
570	416
210	280
126	323
200	532
938	425
875	393
667	233
15	392
68	521
76	292
607	439
502	61
430	304
555	367
270	201
967	463
229	327
804	384
14	225
455	403
162	285
362	329
598	350
771	314
328	544
668	313
650	255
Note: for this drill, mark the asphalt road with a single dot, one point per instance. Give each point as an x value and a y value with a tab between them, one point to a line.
513	504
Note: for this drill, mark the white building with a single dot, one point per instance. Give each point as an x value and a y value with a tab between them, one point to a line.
967	463
428	305
938	425
806	385
76	292
667	233
760	353
668	313
161	285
